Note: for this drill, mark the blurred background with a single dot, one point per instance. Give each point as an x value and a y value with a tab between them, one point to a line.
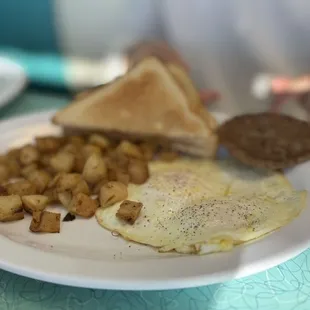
63	46
56	48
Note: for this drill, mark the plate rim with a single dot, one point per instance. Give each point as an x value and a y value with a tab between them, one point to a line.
11	261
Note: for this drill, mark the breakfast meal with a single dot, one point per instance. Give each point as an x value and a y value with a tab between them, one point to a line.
138	154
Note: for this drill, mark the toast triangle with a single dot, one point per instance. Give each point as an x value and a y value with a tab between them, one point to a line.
145	103
194	101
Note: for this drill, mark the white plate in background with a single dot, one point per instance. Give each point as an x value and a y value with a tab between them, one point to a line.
86	255
12	80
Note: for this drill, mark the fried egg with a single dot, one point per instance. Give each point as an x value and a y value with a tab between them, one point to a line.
205	206
243	179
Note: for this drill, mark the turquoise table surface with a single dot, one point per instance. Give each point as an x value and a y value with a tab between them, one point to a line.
285	287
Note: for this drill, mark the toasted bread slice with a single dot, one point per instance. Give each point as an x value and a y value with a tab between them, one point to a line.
146	103
194	101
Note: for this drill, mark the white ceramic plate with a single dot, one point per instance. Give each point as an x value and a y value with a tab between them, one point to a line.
86	255
12	80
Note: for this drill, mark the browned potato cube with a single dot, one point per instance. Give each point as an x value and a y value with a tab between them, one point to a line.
138	171
83	205
45	222
130	150
4	173
81	187
45	159
27	170
111	174
13	153
14	217
34	203
28	155
14	168
72	182
51	194
21	188
110	163
67	181
129	211
70	148
89	149
40	179
49	144
11	208
53	182
122	161
117	159
122	176
112	192
79	163
62	162
97	187
65	198
95	169
99	140
118	174
36	217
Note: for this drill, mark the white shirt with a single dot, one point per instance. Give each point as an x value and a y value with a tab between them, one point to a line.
225	42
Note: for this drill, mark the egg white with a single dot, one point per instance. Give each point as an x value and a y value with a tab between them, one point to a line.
205	206
248	180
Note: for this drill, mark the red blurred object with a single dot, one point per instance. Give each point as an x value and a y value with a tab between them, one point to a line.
209	96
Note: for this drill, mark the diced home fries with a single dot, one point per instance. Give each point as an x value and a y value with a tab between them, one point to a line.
72	171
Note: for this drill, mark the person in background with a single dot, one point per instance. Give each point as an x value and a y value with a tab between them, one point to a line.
223	44
283	89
